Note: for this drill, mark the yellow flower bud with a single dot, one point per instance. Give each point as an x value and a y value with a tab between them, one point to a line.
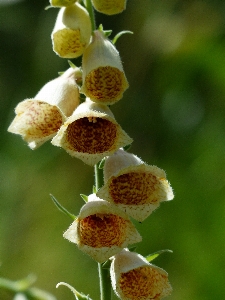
91	133
133	277
72	31
38	120
61	3
101	229
134	186
109	7
104	80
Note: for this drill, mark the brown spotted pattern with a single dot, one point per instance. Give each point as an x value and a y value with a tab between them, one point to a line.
133	188
67	42
91	135
102	230
144	283
40	119
104	83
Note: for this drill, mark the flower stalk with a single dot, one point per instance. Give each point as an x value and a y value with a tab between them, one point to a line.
104	275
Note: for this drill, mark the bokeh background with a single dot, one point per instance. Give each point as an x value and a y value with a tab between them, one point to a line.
175	112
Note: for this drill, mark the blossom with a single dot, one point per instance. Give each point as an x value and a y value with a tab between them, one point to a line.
104	80
132	185
109	7
134	278
101	229
91	133
38	119
72	31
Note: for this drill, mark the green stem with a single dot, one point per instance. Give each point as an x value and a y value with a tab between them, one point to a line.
90	10
104	276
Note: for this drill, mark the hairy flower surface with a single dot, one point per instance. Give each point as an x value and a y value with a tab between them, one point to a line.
38	120
104	80
109	7
134	186
72	31
91	133
134	278
101	229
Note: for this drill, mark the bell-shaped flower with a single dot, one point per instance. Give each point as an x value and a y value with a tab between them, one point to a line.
109	7
134	186
101	229
91	133
72	31
38	119
104	80
133	277
61	3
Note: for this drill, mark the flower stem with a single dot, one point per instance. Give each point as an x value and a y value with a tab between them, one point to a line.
104	276
90	10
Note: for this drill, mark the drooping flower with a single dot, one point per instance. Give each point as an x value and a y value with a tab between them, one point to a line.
72	31
134	186
101	229
109	7
38	119
61	3
91	133
134	278
104	80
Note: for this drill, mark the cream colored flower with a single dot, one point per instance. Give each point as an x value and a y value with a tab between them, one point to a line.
72	31
61	3
38	120
134	278
101	229
91	133
134	186
109	7
104	80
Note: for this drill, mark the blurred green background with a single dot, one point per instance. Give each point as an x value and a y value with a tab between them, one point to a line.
175	112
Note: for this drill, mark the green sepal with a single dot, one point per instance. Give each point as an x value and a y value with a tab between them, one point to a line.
61	208
71	64
78	295
61	73
84	197
107	33
152	256
94	190
102	163
127	147
119	34
106	265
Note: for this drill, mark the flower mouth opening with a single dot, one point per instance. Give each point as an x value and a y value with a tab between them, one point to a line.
105	84
134	188
91	135
144	283
67	43
102	230
36	119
